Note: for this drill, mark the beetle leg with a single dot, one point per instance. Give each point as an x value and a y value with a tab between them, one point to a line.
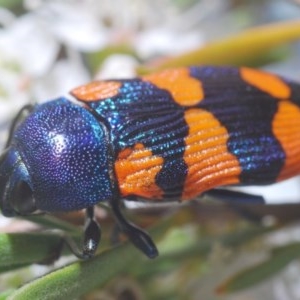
135	234
91	237
25	110
92	234
235	196
237	199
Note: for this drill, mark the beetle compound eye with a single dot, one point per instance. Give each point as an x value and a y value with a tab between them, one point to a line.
22	199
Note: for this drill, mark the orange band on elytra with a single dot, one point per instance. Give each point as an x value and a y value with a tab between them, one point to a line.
136	169
185	90
286	128
96	90
209	162
266	82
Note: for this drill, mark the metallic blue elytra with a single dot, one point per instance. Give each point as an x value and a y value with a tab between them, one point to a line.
61	152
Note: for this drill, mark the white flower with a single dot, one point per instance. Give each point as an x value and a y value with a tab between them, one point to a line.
45	45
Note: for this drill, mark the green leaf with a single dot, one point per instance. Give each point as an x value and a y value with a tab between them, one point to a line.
22	249
80	277
4	295
15	5
246	48
83	276
10	3
281	256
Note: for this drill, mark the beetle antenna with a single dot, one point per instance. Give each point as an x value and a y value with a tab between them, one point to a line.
21	115
3	155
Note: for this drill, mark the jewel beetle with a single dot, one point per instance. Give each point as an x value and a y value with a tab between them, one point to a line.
167	136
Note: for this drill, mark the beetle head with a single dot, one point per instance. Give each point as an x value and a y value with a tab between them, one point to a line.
59	160
15	189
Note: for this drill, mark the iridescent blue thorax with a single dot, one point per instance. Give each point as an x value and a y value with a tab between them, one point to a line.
65	151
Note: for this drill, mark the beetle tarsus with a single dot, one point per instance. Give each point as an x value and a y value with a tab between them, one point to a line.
92	234
136	235
235	196
91	239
